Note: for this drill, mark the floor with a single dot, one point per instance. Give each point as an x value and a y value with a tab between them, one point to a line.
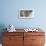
0	44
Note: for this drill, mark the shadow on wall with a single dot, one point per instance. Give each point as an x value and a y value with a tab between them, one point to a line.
2	26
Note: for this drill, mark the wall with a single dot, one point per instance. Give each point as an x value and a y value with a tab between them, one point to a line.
9	13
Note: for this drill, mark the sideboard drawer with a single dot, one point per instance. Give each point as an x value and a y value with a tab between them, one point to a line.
13	33
37	39
34	33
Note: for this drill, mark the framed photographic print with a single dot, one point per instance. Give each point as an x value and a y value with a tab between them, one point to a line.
25	13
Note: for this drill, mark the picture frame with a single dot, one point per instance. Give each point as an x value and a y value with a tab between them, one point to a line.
26	13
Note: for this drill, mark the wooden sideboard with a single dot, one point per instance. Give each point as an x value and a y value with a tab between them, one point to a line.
23	38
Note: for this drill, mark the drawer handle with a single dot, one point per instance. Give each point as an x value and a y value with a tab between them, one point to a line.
11	38
33	39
